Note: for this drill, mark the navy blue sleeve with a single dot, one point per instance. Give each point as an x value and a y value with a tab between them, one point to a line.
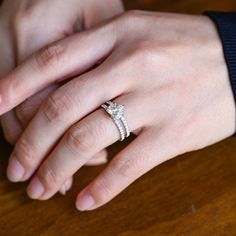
226	25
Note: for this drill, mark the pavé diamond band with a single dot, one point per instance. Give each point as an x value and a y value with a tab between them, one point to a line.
116	111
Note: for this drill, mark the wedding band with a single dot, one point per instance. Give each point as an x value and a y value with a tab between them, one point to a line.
116	111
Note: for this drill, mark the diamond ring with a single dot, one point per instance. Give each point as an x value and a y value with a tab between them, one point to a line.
116	111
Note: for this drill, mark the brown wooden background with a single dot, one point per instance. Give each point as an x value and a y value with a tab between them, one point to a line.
192	195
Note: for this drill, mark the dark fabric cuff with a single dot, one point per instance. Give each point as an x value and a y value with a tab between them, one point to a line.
226	24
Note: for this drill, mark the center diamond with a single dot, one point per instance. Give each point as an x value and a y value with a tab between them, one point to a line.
115	110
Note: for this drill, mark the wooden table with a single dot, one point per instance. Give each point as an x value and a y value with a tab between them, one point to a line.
194	194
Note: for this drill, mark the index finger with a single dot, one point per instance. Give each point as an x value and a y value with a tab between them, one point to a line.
54	63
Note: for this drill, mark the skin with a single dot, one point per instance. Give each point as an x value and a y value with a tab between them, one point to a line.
167	69
21	39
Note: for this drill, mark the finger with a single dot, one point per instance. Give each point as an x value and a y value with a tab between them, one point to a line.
99	159
56	62
82	141
11	127
26	110
63	108
136	159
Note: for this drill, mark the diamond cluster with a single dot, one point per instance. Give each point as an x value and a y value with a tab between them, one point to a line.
116	111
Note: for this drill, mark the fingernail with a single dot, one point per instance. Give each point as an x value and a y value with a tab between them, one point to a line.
66	186
85	203
97	161
15	170
63	191
35	189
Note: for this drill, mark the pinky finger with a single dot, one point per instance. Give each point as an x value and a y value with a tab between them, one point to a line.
135	160
147	151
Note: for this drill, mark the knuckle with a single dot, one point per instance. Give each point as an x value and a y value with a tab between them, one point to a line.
24	151
144	55
48	176
81	138
125	167
50	57
57	107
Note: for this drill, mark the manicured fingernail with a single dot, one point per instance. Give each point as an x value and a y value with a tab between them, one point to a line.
35	189
85	203
15	170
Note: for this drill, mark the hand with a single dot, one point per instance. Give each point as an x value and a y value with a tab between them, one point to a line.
167	69
27	26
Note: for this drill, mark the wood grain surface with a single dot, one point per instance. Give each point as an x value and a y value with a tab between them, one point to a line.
192	195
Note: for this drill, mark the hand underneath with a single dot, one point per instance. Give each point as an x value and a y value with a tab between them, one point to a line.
167	69
27	26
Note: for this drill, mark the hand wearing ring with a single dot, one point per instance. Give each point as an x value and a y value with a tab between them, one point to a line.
152	63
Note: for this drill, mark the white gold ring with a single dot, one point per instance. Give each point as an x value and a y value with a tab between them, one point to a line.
116	111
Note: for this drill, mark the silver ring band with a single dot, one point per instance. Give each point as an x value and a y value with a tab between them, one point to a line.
116	111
